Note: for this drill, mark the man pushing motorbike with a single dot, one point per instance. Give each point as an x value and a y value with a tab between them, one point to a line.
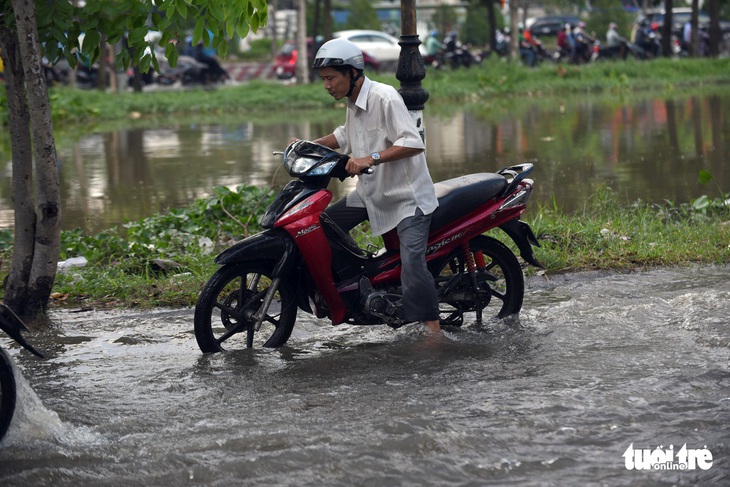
397	190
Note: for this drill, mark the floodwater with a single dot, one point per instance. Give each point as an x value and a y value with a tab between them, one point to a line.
643	147
598	365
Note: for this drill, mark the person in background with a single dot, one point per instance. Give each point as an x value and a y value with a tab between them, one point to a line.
562	39
527	53
433	45
615	44
583	44
380	136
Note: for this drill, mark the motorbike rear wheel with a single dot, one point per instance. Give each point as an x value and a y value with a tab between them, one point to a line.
7	393
501	281
226	311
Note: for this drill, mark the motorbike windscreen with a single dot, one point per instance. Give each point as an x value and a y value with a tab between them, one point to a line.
308	158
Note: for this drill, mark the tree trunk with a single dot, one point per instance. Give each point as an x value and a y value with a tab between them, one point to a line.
695	50
489	4
714	11
33	299
514	34
327	20
22	180
667	29
302	67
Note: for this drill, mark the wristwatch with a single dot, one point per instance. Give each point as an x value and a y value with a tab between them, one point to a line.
376	158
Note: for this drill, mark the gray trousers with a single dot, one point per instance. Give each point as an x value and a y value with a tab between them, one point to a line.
420	300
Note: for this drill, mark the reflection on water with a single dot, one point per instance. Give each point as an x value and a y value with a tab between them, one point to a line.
646	148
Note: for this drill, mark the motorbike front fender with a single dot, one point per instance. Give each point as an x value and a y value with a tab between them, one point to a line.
523	236
274	244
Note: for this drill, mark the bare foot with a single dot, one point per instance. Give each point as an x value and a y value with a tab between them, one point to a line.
433	327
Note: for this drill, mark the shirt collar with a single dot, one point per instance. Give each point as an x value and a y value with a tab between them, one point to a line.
362	97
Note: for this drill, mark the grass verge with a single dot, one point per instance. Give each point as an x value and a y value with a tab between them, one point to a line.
485	84
164	260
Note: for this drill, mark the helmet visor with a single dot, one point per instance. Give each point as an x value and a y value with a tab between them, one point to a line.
327	61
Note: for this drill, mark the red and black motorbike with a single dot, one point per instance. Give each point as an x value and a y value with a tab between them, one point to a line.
303	261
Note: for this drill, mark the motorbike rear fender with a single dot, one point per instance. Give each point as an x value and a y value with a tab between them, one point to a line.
523	236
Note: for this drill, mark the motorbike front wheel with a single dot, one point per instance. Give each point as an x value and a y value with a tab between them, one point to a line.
7	393
499	282
228	306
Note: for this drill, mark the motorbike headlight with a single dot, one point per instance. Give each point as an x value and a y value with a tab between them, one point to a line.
300	165
303	158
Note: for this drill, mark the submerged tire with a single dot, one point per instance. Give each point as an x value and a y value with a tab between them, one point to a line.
7	393
501	283
228	304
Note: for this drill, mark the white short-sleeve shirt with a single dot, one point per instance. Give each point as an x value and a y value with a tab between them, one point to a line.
395	189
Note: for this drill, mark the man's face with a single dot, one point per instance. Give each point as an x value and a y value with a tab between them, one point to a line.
336	83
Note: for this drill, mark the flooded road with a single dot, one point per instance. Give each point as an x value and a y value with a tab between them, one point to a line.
599	365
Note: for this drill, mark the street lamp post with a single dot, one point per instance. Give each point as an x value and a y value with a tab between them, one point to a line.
411	69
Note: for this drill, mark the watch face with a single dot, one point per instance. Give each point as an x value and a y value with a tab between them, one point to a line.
375	156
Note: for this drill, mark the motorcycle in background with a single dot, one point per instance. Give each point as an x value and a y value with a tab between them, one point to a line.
12	326
303	260
456	54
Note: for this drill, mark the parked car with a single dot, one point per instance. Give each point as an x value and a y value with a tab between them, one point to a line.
285	61
381	46
550	25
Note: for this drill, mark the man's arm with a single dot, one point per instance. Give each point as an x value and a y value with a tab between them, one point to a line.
328	141
392	153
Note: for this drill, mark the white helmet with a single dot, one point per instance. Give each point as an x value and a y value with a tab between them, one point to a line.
338	52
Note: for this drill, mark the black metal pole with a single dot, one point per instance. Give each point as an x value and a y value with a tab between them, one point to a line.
411	69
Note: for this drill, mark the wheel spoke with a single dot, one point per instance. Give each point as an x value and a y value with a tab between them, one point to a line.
229	333
498	280
230	303
228	310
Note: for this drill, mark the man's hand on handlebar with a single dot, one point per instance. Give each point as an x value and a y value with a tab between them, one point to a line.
359	166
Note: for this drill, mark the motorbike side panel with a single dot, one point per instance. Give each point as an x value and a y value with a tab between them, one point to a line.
314	247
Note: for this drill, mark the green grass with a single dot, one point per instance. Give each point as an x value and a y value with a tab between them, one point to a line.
607	234
492	81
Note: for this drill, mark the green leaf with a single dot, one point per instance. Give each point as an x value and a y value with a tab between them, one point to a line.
198	31
243	28
91	41
222	49
138	34
171	55
52	51
230	26
701	203
705	176
64	8
182	8
254	22
123	60
156	64
144	63
216	11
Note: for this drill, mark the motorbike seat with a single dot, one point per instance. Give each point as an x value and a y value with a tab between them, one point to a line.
459	196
